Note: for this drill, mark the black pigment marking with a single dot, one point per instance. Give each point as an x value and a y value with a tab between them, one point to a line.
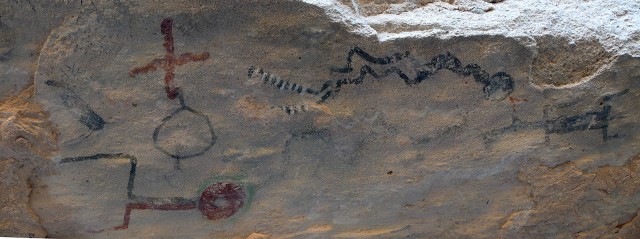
6	55
497	86
293	109
188	109
71	69
139	202
251	71
168	63
611	96
367	57
132	171
205	201
32	6
277	82
322	134
587	121
131	181
79	109
593	120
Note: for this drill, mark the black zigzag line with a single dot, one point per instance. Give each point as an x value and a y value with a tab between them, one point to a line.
492	84
499	81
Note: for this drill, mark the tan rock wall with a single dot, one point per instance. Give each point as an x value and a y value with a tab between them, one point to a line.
268	119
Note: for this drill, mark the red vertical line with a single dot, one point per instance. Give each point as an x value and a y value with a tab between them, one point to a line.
127	217
167	30
169	62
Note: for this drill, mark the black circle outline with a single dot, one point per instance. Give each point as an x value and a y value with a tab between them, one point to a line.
198	153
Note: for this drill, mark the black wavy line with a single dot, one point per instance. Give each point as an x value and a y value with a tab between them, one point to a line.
500	81
497	86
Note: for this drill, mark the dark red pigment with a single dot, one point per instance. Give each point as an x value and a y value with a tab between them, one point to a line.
233	195
143	206
170	61
515	101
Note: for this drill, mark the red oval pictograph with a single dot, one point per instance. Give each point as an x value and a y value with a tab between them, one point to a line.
221	200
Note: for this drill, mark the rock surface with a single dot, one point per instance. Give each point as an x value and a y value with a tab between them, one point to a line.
285	119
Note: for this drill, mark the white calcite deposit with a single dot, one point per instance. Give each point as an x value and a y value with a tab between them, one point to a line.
320	119
613	23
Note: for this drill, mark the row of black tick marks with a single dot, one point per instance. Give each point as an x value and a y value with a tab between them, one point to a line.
497	86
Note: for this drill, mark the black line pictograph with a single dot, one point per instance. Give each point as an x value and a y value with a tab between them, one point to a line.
202	121
216	201
293	109
78	108
495	87
592	120
168	63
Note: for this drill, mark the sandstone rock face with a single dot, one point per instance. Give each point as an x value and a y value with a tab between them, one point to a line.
281	119
375	7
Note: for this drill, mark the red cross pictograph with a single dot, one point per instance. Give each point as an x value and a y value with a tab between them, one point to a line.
170	61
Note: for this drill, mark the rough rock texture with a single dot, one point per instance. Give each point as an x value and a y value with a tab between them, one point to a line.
563	63
26	139
283	119
17	218
602	203
375	7
612	23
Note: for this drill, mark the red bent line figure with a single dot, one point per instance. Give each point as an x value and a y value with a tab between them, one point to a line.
217	201
170	61
141	206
